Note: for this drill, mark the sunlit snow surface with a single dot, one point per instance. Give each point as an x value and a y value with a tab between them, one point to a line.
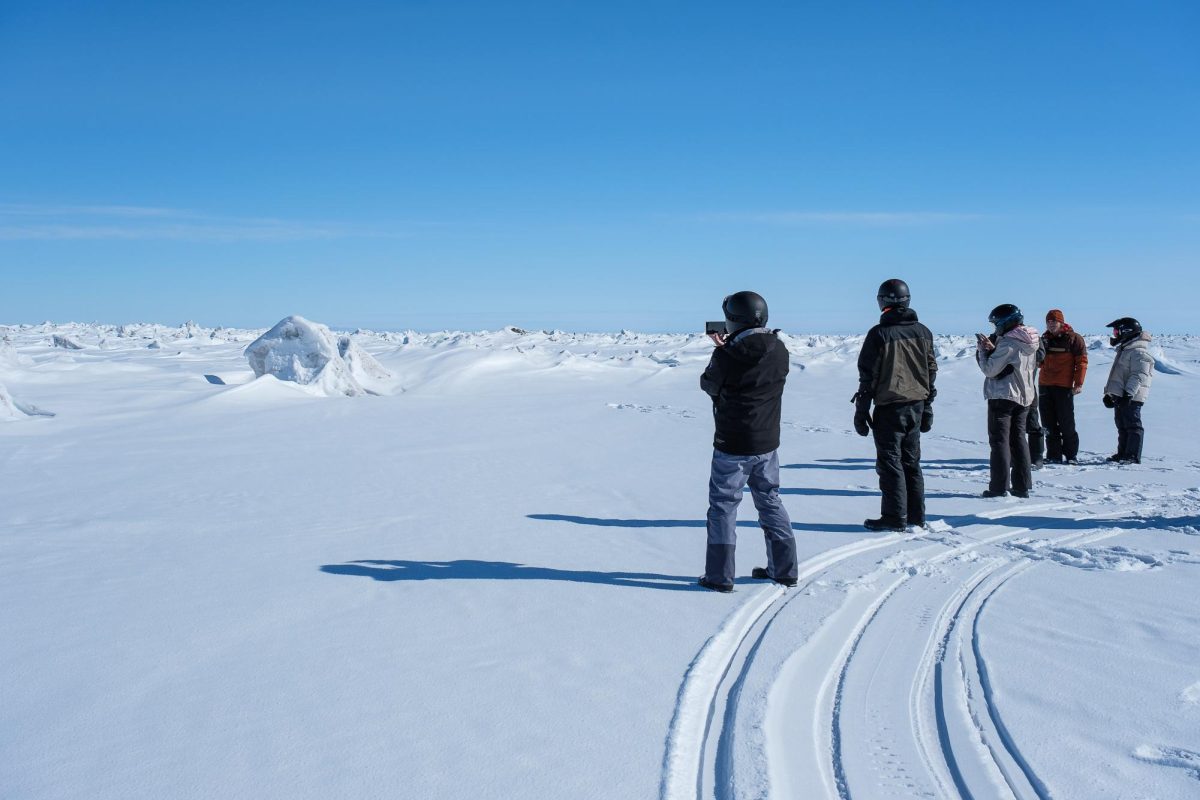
478	582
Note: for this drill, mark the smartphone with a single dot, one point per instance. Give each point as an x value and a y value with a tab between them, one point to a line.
715	327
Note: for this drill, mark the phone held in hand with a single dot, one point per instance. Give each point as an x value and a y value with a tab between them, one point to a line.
715	327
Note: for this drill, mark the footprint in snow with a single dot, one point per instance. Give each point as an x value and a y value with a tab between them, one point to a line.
1178	757
645	409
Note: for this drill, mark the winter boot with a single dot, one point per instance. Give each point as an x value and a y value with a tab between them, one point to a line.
713	585
990	493
760	573
883	524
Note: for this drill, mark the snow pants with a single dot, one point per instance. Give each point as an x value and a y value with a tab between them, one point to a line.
1037	434
1057	404
729	477
897	432
1010	448
1129	430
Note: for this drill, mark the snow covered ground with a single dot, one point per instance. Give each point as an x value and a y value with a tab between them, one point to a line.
478	582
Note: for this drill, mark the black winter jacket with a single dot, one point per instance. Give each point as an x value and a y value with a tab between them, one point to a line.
897	363
745	380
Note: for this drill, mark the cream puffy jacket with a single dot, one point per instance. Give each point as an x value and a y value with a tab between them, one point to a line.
1009	368
1132	370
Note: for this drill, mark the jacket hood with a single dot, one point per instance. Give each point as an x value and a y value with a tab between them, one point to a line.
1023	333
753	345
898	316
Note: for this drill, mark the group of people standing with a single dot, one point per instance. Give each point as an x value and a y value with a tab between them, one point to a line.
1030	381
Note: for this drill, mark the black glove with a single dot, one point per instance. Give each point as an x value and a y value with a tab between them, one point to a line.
927	419
862	413
1123	400
1110	401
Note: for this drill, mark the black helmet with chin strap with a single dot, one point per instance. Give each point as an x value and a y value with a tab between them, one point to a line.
1125	329
744	310
893	293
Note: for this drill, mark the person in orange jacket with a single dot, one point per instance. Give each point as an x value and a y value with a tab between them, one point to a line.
1061	378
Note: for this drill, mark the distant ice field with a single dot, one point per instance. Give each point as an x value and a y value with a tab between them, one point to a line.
477	580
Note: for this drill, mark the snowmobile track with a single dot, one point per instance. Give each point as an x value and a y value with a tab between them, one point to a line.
971	688
700	692
697	762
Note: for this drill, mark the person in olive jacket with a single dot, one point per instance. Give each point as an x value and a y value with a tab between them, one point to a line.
745	378
897	367
1128	386
1060	379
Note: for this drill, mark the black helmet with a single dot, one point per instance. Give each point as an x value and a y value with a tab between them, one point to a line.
1005	317
893	293
744	310
1125	329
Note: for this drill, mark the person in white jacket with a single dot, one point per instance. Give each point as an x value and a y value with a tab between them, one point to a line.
1008	360
1128	386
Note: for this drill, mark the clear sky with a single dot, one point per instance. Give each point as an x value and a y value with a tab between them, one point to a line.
597	165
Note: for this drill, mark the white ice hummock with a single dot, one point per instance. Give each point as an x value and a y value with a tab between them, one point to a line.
308	353
12	408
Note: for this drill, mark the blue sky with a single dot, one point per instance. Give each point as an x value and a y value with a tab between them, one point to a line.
597	166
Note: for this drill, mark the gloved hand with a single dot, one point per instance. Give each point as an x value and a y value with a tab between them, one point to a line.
862	413
1110	401
927	419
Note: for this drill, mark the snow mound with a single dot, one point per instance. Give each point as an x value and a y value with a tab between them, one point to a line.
9	358
363	366
1164	364
66	342
309	354
11	408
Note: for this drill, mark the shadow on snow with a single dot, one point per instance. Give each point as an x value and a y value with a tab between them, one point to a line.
470	570
686	523
814	492
966	464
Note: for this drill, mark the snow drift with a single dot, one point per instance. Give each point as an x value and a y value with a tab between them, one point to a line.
309	354
11	408
8	355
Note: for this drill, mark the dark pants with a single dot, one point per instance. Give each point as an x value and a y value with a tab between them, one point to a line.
728	478
1129	430
897	428
1037	434
1058	415
1010	449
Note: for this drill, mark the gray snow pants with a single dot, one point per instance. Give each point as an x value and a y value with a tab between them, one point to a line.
730	474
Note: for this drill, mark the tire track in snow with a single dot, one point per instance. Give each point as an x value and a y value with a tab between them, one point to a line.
816	770
998	743
701	690
841	781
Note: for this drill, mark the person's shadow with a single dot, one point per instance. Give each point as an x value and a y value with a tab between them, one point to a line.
965	464
813	527
471	570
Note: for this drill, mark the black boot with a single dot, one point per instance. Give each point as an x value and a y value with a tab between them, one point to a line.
760	573
883	524
716	587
